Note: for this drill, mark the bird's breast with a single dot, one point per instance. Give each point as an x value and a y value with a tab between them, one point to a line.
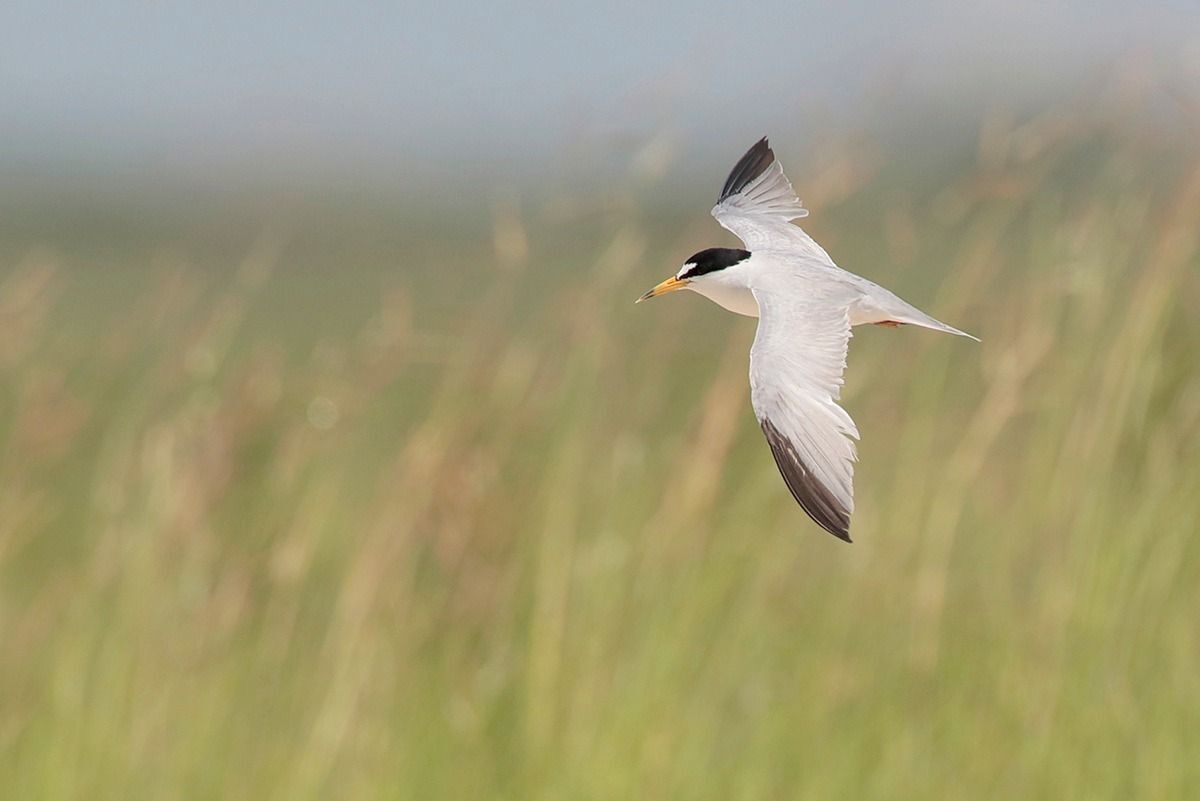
736	299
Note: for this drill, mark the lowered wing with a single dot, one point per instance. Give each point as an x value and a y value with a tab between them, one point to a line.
796	366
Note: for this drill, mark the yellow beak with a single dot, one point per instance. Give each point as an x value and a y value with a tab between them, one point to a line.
670	285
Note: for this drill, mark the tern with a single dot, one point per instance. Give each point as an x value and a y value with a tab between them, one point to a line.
806	306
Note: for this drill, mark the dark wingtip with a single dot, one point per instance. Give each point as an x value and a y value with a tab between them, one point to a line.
814	498
757	159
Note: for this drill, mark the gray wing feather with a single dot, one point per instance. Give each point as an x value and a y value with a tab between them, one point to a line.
796	366
757	203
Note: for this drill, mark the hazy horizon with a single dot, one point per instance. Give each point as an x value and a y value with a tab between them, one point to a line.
229	94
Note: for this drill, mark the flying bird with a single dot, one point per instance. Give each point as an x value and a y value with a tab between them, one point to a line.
806	306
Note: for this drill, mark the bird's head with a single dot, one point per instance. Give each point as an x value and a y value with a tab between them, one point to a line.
707	267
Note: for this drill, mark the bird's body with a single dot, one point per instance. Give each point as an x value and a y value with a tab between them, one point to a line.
806	306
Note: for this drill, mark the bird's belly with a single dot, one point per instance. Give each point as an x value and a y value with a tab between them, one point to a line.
735	299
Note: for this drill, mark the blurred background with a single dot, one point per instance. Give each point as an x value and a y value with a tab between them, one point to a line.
336	462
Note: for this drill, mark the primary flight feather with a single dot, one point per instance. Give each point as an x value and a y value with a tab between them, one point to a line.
806	306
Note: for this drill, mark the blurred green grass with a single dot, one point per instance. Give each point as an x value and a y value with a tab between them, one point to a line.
329	507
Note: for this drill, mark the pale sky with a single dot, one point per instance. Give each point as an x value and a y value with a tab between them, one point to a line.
288	84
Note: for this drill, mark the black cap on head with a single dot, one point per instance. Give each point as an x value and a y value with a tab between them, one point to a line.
711	260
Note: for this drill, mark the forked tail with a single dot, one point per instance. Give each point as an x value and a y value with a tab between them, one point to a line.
880	307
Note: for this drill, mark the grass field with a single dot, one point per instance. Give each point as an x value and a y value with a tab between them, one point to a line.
336	502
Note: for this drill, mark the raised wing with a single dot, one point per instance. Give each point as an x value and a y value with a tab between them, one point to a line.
758	203
796	367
